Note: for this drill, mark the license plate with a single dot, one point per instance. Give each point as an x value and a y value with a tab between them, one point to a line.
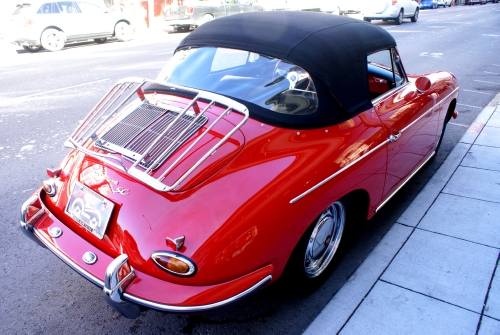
90	209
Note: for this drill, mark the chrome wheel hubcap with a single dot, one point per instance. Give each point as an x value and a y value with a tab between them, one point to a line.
324	240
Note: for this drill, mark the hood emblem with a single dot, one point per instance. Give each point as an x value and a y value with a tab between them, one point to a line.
176	243
89	257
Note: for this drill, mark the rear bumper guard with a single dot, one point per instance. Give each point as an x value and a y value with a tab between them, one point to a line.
119	275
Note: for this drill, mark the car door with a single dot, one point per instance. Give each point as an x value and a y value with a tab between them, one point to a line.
408	117
409	7
232	7
95	19
69	20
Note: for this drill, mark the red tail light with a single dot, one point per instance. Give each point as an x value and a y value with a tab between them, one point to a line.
189	10
31	210
394	2
28	21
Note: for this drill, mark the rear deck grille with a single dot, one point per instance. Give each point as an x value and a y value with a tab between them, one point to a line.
138	130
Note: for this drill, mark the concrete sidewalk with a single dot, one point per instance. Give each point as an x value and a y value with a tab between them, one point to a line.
437	269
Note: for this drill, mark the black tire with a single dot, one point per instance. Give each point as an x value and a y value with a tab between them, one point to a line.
52	40
367	20
322	244
32	48
100	40
399	19
414	18
123	31
447	119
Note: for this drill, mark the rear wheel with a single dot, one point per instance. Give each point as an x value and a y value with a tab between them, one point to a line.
321	245
399	19
32	48
52	40
414	18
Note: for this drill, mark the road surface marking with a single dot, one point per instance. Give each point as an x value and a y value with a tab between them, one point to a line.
488	82
458	124
491	72
7	101
470	106
477	92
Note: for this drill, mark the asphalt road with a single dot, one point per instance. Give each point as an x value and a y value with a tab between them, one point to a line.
43	96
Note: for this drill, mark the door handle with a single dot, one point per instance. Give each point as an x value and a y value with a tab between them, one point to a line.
394	138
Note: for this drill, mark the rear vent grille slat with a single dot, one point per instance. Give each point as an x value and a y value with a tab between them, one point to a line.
138	130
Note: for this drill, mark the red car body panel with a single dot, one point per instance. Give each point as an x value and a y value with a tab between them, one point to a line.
245	208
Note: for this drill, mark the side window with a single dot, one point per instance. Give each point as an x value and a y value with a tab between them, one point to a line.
384	72
45	9
67	7
86	8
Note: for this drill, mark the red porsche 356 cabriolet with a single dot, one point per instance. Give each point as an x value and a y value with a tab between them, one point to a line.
251	154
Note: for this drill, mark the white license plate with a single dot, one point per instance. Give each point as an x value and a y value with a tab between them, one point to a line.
89	209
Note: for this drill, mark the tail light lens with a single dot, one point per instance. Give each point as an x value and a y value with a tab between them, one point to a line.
31	210
394	2
173	263
189	10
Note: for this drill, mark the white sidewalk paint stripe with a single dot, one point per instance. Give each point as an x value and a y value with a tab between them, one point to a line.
470	106
477	92
488	82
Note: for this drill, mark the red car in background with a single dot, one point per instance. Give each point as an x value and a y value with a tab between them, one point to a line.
254	152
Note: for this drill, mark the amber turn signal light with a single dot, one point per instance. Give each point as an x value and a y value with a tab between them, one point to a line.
173	263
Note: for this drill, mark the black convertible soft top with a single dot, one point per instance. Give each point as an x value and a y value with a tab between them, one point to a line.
333	49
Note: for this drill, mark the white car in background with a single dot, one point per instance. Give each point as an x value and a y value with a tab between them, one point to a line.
396	10
51	24
444	3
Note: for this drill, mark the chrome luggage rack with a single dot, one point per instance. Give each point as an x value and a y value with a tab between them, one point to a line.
149	131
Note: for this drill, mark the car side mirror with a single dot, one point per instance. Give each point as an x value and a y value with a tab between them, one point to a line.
422	84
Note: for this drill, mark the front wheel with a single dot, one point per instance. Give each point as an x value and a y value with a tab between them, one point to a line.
100	40
399	19
52	40
123	31
414	18
32	48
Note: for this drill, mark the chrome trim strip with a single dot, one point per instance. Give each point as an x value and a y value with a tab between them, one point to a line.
388	93
338	172
150	304
371	151
201	308
403	184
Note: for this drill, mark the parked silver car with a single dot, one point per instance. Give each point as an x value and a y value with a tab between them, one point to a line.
42	23
396	10
192	13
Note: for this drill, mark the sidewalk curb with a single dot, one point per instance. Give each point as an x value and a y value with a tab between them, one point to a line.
344	303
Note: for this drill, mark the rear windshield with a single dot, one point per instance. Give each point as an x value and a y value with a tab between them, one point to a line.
268	82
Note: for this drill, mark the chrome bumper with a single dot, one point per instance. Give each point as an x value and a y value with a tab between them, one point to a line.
119	275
